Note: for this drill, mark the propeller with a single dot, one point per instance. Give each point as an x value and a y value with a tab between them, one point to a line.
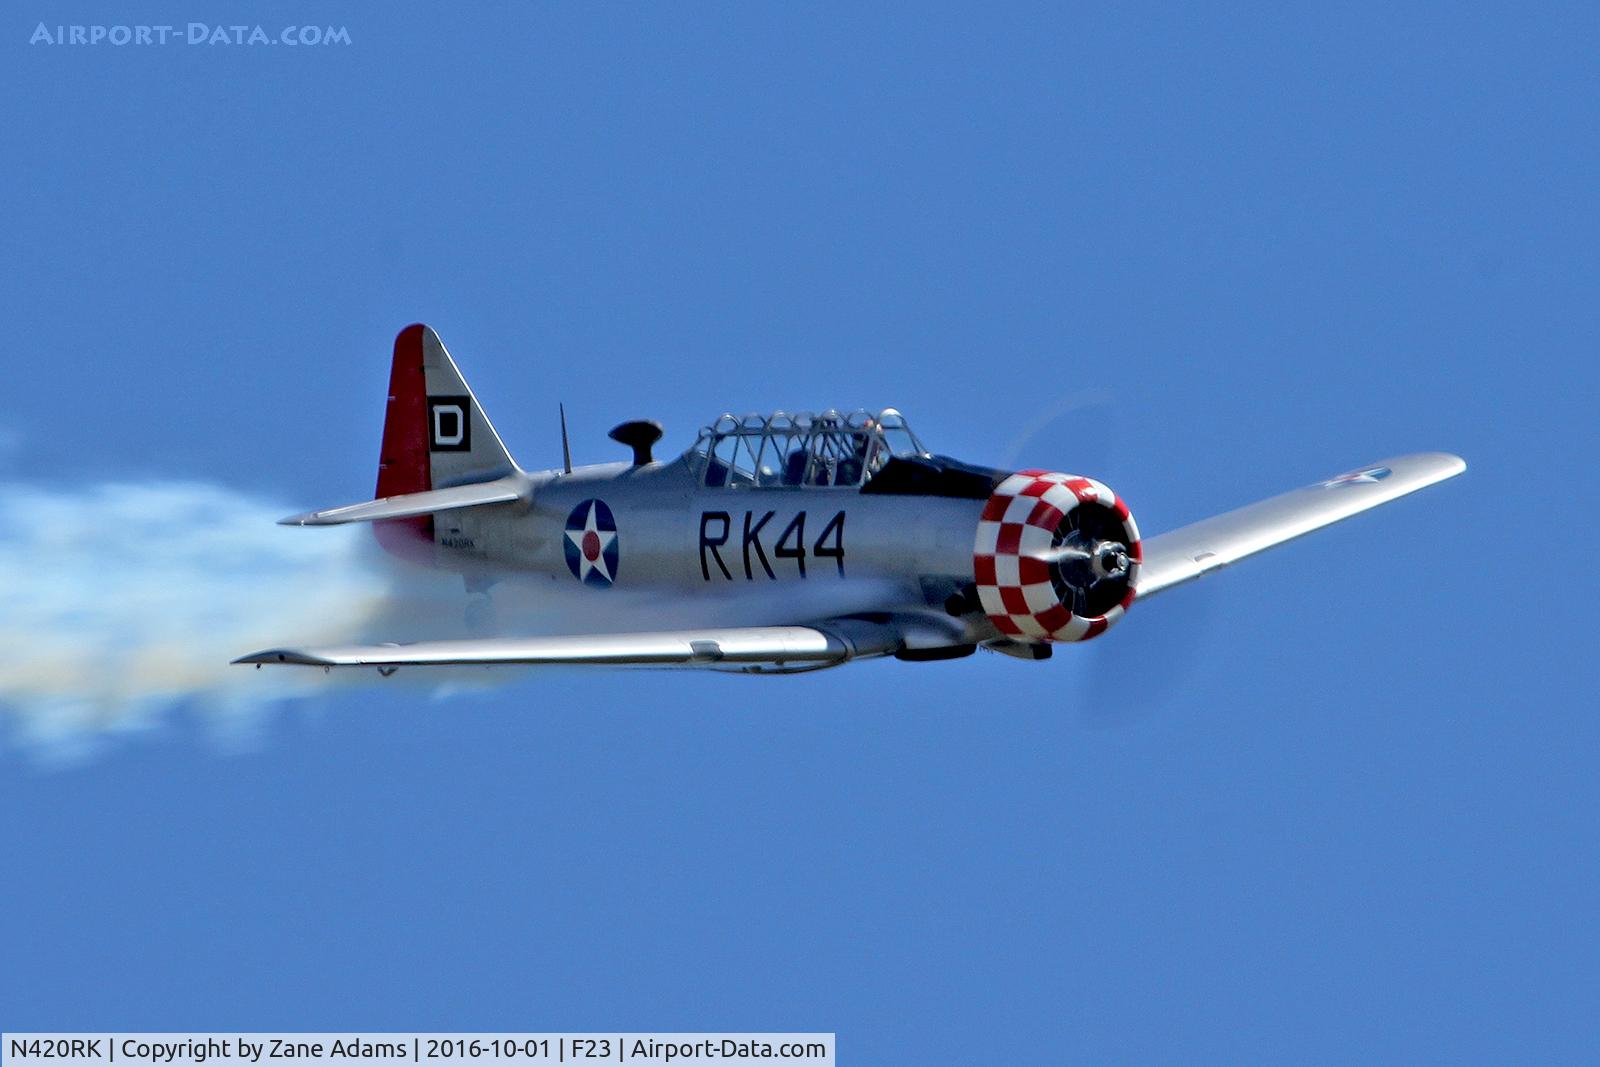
1073	432
1139	671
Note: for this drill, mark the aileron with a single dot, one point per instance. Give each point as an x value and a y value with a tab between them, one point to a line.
1190	551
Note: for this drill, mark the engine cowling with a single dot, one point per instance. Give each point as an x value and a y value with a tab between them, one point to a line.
1056	557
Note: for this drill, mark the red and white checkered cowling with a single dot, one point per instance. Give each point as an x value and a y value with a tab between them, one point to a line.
1029	514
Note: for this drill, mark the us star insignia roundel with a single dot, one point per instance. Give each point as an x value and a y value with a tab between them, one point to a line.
1361	477
591	544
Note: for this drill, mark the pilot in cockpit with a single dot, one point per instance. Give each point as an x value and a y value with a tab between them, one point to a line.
794	466
851	467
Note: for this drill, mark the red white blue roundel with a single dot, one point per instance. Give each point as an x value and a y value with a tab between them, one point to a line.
1361	477
591	544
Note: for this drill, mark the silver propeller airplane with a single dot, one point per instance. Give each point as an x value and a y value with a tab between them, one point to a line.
843	534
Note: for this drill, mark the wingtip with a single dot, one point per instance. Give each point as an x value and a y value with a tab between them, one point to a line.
313	518
279	655
1450	464
1431	466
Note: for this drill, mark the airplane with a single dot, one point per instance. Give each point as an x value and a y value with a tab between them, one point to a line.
833	537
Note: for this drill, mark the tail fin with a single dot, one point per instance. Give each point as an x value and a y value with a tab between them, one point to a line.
435	433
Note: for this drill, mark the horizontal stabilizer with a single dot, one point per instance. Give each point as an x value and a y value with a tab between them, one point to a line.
1190	551
409	505
779	645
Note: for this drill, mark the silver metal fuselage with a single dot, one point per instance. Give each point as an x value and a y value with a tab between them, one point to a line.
839	550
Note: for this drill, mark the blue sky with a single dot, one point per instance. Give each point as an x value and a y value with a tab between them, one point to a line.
1333	805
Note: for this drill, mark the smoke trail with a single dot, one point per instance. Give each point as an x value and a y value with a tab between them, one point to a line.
121	601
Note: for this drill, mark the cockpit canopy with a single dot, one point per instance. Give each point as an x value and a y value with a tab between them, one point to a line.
800	448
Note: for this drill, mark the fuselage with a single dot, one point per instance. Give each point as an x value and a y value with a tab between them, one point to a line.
615	528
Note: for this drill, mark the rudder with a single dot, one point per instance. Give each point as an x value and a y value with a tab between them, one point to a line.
435	433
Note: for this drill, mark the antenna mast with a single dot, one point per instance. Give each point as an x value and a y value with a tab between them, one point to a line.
566	451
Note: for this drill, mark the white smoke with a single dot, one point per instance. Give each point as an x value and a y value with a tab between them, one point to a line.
122	602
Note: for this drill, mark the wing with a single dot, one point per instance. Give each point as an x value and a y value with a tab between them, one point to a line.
1190	551
734	648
